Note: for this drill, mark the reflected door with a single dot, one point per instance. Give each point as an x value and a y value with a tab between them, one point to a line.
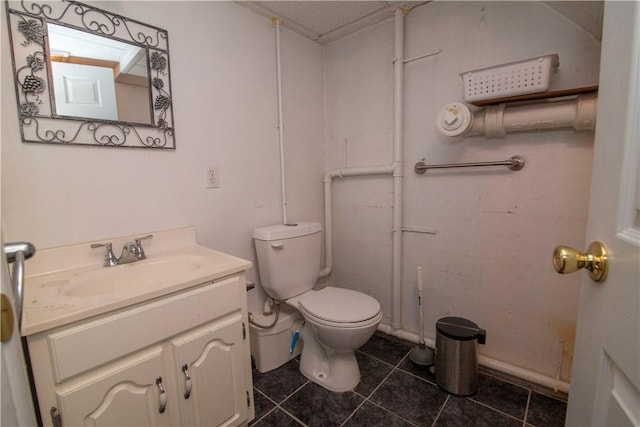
84	91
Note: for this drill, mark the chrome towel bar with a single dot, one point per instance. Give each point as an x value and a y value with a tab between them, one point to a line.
514	163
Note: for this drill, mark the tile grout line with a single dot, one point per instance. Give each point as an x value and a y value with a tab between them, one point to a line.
283	409
291	415
526	409
383	361
392	413
279	405
366	398
355	410
484	405
275	405
435	420
380	384
393	369
418	377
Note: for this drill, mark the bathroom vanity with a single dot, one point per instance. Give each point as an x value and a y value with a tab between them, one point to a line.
161	341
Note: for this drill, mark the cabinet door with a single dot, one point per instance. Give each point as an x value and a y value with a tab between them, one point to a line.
214	359
122	395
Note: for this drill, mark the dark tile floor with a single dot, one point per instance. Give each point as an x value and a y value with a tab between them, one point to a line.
395	392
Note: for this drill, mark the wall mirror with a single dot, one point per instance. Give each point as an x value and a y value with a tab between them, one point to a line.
87	76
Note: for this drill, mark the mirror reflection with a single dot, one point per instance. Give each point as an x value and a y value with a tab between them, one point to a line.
98	77
84	75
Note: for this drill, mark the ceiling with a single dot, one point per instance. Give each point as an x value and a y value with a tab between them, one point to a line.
326	21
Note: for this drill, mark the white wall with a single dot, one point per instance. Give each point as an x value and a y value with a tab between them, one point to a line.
490	259
224	87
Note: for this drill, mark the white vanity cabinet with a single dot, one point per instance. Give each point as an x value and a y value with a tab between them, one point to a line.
179	359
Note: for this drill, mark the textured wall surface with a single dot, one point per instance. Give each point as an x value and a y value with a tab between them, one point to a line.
490	257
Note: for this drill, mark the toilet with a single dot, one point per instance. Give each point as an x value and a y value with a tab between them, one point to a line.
336	321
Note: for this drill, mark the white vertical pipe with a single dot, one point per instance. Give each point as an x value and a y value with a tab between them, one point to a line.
328	229
398	163
276	25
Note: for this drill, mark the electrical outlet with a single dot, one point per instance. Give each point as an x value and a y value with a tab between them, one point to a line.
213	177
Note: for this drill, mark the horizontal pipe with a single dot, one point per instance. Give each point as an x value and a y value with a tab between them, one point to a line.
506	368
365	171
426	55
497	120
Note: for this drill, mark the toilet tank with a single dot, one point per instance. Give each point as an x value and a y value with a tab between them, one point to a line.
288	258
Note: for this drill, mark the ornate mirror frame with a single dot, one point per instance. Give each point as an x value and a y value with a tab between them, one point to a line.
27	23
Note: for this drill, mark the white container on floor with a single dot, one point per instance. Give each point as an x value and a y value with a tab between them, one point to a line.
270	347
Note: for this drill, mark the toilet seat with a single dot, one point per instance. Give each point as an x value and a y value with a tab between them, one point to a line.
338	307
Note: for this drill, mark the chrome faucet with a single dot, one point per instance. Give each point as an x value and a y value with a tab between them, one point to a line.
131	252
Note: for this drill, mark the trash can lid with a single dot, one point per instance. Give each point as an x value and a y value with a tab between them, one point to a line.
460	329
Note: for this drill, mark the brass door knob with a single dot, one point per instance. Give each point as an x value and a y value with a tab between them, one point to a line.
595	260
6	321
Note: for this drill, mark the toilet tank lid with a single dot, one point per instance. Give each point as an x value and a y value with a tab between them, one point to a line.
286	231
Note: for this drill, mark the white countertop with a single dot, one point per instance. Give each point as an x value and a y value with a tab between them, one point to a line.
81	288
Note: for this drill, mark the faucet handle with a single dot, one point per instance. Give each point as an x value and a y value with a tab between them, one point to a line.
141	254
109	257
150	236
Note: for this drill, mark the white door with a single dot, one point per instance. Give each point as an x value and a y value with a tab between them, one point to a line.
606	369
84	91
17	407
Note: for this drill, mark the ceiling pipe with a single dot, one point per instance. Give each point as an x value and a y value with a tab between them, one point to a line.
398	163
496	121
276	25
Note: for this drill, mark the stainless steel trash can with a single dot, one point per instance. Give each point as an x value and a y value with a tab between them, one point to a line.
456	356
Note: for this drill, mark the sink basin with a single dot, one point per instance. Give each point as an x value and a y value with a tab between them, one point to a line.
132	277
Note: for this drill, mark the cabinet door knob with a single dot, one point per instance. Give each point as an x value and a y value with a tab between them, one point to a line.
163	396
187	381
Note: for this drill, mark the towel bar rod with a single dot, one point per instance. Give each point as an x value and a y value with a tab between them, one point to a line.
514	163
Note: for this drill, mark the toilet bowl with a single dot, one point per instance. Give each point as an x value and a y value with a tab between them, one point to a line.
337	321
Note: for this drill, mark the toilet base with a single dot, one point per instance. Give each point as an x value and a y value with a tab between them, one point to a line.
337	371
